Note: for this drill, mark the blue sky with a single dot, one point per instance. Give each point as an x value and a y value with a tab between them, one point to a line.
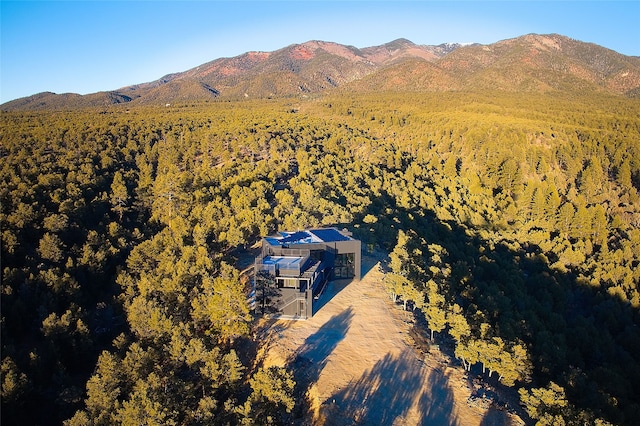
89	46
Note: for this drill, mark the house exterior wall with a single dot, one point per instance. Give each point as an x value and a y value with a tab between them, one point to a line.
318	264
296	304
355	247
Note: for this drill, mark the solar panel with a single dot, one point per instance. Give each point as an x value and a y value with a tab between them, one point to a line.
329	235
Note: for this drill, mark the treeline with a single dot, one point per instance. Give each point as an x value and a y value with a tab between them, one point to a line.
512	223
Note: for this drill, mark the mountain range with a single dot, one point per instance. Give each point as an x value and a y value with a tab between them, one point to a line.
530	63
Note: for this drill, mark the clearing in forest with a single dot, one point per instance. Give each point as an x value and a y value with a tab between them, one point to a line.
357	362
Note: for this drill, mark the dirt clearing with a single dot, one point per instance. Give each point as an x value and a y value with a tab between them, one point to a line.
357	362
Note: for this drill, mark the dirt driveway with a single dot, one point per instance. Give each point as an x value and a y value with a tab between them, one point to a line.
357	362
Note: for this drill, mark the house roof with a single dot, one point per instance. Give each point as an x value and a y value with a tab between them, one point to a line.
320	235
329	235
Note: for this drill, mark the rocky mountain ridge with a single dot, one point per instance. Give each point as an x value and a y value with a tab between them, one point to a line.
530	63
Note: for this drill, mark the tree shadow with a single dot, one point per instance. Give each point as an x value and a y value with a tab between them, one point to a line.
312	356
315	350
385	394
495	417
436	403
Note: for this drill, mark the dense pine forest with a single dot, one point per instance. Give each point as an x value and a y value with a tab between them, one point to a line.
512	224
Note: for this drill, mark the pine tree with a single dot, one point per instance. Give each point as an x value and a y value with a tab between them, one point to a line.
119	195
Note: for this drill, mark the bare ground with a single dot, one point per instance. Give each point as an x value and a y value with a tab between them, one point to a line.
356	362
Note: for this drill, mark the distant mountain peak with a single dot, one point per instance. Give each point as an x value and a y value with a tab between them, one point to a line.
446	48
399	43
533	62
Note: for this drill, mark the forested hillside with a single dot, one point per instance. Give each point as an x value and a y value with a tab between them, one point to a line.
533	63
512	223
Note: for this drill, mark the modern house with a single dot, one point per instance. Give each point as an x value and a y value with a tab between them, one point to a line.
294	267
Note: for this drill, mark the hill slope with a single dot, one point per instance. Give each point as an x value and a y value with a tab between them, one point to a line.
531	63
544	62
